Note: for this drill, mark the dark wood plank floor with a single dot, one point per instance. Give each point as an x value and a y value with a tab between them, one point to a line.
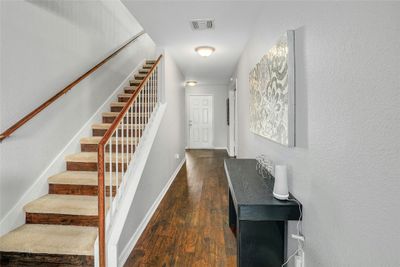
190	226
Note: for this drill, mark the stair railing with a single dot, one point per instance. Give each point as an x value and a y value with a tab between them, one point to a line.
117	147
65	90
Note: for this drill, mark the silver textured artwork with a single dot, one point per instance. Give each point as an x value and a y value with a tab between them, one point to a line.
272	93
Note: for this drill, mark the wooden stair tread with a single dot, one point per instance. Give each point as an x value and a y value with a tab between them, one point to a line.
81	178
132	87
114	114
95	140
106	126
122	104
64	204
92	157
50	239
129	95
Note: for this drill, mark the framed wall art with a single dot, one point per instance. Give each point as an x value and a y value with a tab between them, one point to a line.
272	93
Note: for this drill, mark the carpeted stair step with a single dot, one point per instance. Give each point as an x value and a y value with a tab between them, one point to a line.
99	129
87	161
80	183
63	210
48	245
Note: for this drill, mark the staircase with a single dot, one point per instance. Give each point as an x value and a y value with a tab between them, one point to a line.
61	227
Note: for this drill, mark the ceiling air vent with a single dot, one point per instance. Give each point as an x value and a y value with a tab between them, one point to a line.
202	24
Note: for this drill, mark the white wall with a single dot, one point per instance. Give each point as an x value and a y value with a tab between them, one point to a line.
45	45
161	164
220	94
345	168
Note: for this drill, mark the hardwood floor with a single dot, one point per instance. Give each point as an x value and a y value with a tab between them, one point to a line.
190	226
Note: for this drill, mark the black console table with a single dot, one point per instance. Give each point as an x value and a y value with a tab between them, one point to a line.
258	220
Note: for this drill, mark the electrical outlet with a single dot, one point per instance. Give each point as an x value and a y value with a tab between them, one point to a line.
177	156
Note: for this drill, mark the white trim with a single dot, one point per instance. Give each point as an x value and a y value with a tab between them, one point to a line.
220	147
291	89
211	147
132	242
16	216
232	123
135	171
236	120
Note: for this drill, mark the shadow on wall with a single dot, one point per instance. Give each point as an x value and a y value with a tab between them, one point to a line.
301	103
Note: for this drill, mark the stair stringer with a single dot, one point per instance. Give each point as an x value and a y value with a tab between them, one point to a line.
16	215
134	172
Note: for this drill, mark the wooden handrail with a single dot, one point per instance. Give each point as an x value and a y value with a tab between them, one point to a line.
100	164
32	114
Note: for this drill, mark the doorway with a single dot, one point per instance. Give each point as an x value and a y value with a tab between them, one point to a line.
200	121
232	128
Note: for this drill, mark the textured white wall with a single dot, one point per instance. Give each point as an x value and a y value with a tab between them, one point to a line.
44	46
345	168
220	94
161	164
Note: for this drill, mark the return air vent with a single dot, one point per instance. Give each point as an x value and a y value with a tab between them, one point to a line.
202	24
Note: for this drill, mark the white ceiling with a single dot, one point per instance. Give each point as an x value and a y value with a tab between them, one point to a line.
167	23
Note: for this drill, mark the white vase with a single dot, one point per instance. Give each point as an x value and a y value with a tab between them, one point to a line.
281	190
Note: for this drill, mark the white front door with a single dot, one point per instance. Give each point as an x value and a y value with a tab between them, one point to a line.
200	121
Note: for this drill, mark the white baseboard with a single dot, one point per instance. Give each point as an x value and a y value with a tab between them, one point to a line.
132	242
16	216
213	147
222	148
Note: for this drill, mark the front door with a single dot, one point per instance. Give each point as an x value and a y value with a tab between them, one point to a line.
200	121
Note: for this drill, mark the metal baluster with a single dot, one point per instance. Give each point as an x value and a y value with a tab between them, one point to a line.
150	88
127	139
131	134
156	78
158	93
122	150
150	96
116	161
148	100
145	104
139	119
136	124
146	95
104	185
154	87
110	168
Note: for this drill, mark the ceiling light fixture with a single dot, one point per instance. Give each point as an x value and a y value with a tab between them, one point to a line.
204	51
191	83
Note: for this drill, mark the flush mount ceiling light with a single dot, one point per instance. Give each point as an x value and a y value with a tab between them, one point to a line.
191	83
204	51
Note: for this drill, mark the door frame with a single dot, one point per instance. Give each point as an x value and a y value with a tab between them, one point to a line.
232	123
233	118
188	95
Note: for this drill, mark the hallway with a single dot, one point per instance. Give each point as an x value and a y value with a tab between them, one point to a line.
190	226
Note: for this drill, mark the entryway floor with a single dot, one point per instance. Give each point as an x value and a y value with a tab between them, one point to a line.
190	226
